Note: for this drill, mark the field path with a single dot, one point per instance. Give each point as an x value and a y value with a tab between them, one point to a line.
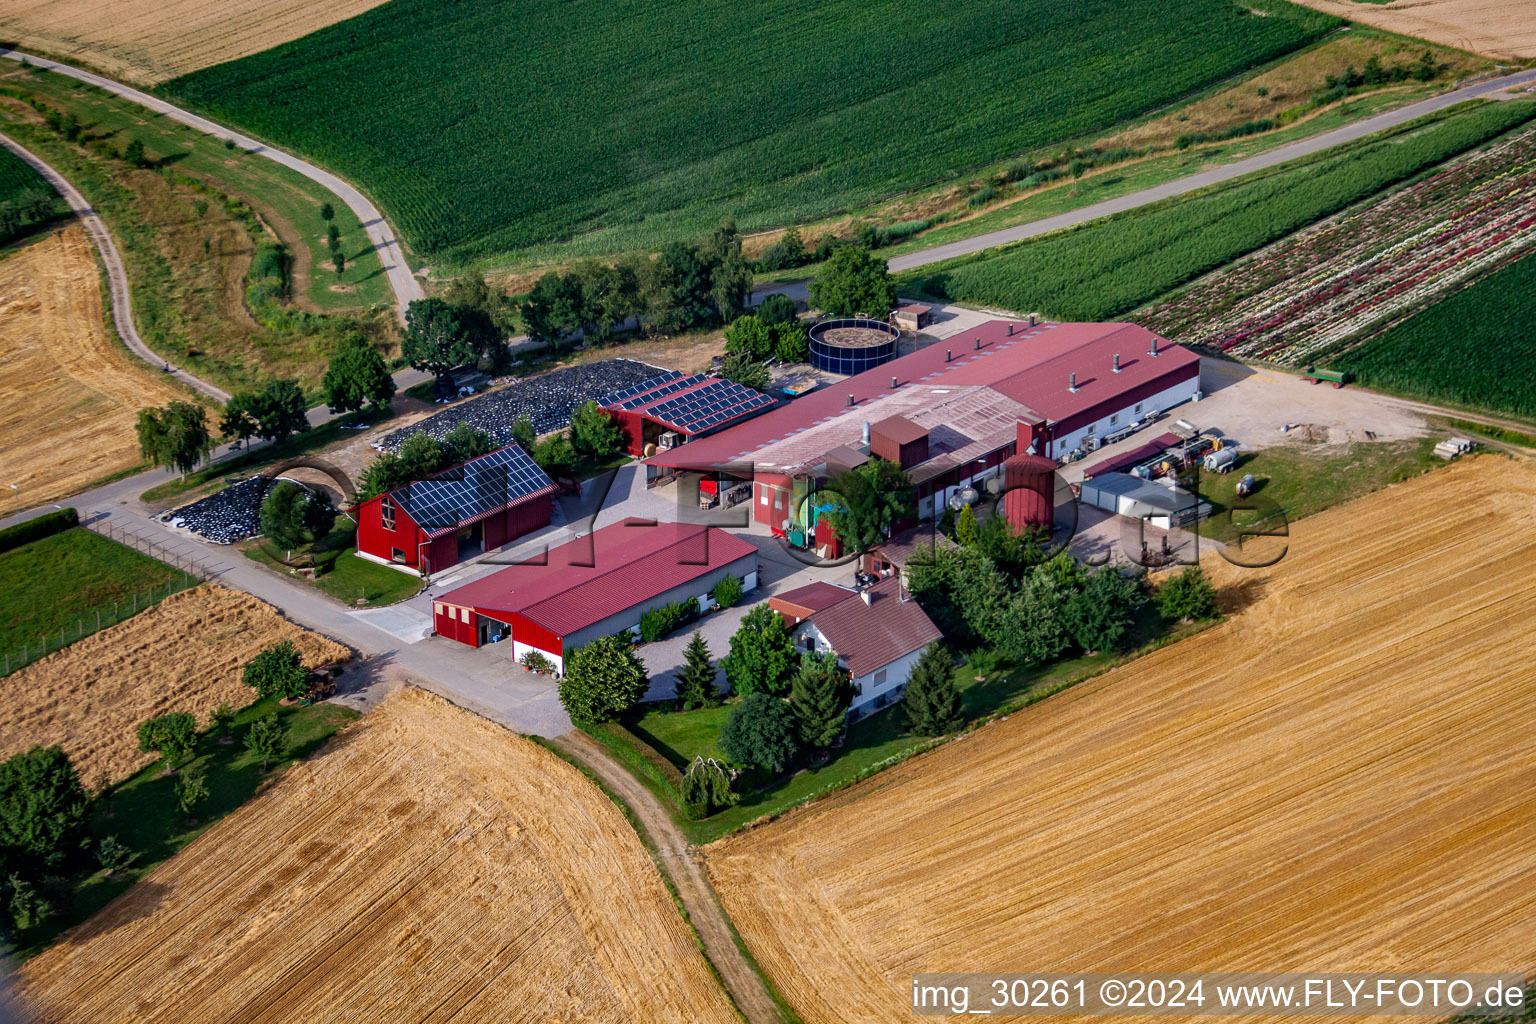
405	286
687	875
117	278
1304	147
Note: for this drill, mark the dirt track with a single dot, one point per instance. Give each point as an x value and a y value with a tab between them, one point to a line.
149	41
184	654
427	865
68	395
1337	778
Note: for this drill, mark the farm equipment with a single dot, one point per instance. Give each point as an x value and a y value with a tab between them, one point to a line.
1454	446
321	687
1246	485
1338	378
799	388
1221	460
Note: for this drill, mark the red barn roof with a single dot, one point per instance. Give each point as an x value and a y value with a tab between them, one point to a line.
588	579
1007	361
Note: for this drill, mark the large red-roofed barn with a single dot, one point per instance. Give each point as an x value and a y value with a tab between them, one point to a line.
954	411
593	586
435	523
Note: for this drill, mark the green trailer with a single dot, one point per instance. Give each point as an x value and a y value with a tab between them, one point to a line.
1338	378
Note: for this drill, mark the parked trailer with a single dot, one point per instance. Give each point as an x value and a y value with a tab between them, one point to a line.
1221	461
1338	378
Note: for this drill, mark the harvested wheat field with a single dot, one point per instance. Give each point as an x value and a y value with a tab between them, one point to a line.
149	41
1338	777
1497	28
68	395
427	865
184	654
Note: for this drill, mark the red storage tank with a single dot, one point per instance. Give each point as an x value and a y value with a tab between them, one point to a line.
1029	491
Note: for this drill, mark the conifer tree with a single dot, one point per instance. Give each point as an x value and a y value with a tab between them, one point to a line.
931	702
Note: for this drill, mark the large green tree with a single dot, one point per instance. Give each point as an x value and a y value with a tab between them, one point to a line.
238	422
594	433
1100	614
749	336
603	679
42	809
854	281
357	376
172	735
819	696
866	502
931	702
292	516
696	679
176	436
761	732
280	411
762	654
277	671
439	337
1188	595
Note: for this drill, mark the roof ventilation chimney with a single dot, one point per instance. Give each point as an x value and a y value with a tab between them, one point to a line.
1010	330
893	382
1117	362
1072	382
948	355
866	431
976	344
1153	350
850	401
1031	319
864	594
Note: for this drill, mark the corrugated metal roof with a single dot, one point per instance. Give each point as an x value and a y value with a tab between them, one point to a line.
467	493
870	636
810	598
588	579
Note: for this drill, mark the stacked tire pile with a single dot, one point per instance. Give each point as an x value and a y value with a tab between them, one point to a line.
548	400
225	517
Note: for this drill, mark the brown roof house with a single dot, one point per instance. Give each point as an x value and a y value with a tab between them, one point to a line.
877	634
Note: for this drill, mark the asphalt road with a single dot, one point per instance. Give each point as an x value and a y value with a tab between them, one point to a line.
404	284
117	279
1272	158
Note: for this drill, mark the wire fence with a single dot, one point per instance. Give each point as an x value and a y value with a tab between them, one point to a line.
190	573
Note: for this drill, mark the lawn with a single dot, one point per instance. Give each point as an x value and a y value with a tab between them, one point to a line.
1474	348
1305	479
287	200
141	811
340	573
61	583
987	687
1109	267
474	132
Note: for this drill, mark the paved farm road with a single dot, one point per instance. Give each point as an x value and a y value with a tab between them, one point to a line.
405	286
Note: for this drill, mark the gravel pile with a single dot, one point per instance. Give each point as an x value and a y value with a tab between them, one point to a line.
548	400
225	517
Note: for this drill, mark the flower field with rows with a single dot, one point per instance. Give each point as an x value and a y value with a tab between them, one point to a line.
1106	269
485	127
1350	277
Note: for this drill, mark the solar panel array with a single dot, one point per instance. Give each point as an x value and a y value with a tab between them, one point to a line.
651	396
711	405
615	397
481	486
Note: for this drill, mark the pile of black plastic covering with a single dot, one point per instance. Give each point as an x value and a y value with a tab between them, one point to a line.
548	400
225	516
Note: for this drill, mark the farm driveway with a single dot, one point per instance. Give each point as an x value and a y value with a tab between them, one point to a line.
742	981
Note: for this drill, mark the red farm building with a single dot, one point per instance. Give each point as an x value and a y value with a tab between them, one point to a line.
951	414
671	408
593	586
435	523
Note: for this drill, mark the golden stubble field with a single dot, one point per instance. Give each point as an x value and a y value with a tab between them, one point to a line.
68	394
427	865
149	41
1497	28
184	654
1341	776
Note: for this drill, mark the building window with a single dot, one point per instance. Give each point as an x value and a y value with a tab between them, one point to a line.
397	554
1114	418
387	513
437	607
778	499
880	678
464	612
763	495
1138	408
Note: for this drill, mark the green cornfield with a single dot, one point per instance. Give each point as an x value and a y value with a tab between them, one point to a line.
487	126
1474	348
1108	268
17	177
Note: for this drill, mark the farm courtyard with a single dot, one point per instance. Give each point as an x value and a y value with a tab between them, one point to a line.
1336	776
423	843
